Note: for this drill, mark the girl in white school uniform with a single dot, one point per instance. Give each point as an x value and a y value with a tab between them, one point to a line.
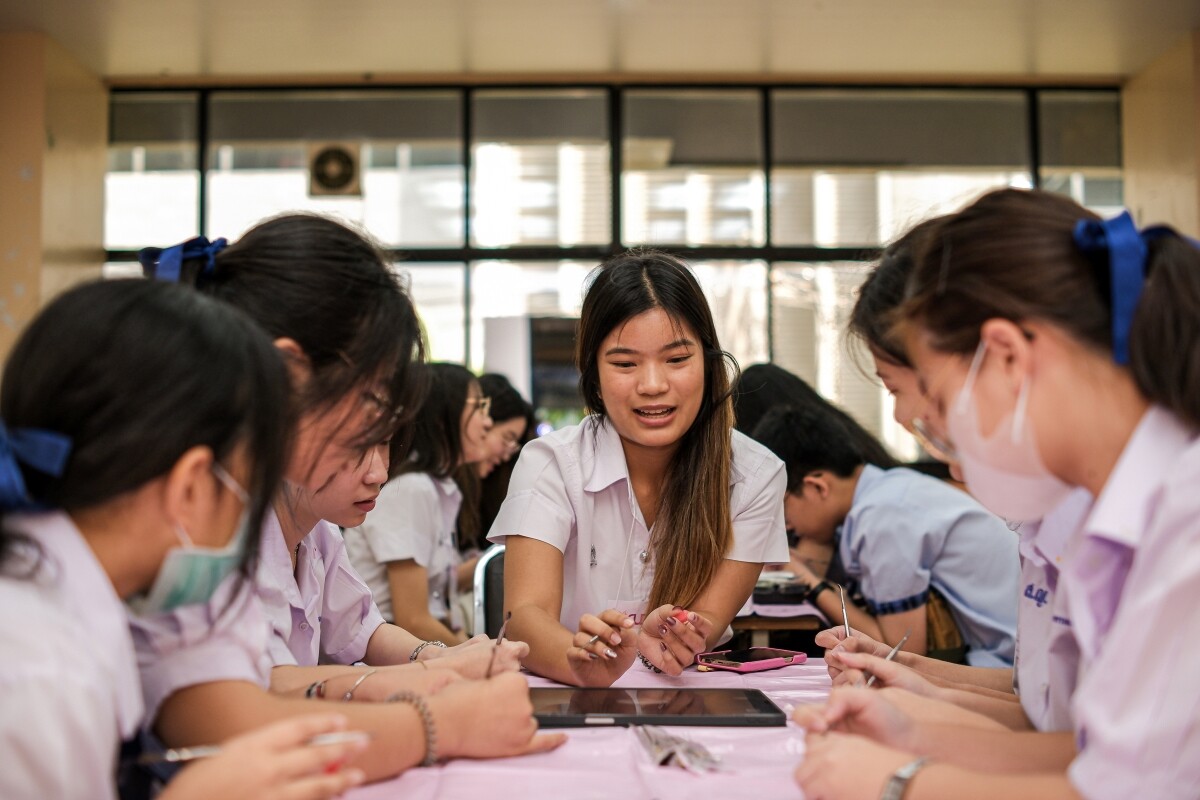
406	550
639	533
351	340
1058	351
1043	677
133	415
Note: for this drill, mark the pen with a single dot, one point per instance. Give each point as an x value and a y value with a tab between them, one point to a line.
179	755
845	618
499	639
892	654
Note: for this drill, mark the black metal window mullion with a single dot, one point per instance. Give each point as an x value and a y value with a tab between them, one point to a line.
468	135
202	160
616	160
1033	112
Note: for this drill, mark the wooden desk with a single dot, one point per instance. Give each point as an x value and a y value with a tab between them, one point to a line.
760	627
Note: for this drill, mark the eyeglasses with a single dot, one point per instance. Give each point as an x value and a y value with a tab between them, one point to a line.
931	443
483	404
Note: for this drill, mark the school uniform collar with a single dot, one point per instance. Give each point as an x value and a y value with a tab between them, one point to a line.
603	462
448	487
869	476
90	597
1052	535
1145	463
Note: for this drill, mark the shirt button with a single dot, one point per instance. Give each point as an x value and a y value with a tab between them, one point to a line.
303	626
436	595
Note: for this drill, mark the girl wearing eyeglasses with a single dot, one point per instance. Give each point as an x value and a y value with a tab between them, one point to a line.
1058	350
406	550
350	338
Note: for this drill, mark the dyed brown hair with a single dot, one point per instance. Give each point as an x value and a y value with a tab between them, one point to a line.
693	528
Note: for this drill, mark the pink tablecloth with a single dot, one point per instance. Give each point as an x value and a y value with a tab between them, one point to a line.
608	764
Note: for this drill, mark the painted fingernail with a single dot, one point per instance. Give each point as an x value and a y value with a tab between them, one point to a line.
615	638
672	621
692	617
593	656
608	651
663	645
662	629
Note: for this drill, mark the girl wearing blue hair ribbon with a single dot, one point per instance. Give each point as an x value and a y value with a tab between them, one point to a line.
1056	350
133	414
350	337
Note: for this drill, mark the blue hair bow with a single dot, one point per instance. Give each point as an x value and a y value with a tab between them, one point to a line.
169	263
43	450
1126	248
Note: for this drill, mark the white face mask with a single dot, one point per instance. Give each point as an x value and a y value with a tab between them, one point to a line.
1004	472
191	574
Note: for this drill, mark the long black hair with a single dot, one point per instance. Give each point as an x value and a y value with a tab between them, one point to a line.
135	373
328	288
437	430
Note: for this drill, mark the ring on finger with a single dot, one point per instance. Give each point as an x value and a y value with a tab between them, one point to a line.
592	641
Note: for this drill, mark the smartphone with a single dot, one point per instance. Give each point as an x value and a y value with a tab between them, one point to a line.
753	659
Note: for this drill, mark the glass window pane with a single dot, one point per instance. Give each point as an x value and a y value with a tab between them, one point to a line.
1080	140
407	145
692	168
523	316
737	295
811	307
152	186
437	291
859	167
540	171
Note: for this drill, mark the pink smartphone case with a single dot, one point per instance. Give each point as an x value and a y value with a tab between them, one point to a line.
793	657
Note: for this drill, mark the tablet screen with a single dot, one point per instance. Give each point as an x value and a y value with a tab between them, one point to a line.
572	707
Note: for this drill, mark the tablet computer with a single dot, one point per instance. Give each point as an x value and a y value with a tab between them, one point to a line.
569	707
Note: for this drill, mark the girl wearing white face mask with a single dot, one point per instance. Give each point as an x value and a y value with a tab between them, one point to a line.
406	549
1058	351
1043	677
133	414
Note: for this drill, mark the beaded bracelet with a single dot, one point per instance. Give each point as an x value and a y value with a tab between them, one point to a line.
426	716
349	695
315	690
417	650
646	663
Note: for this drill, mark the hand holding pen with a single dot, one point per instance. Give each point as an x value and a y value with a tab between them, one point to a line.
296	757
496	648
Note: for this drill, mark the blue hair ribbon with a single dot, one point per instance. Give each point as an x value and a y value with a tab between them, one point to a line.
1126	249
168	263
45	451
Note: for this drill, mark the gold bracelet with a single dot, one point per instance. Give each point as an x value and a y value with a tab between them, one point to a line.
349	695
426	716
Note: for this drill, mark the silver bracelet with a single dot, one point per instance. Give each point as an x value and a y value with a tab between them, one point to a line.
417	650
349	695
418	702
897	785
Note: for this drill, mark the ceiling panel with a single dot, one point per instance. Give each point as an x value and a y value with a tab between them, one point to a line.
125	39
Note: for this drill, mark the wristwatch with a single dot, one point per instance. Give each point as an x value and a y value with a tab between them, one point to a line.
811	595
898	783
